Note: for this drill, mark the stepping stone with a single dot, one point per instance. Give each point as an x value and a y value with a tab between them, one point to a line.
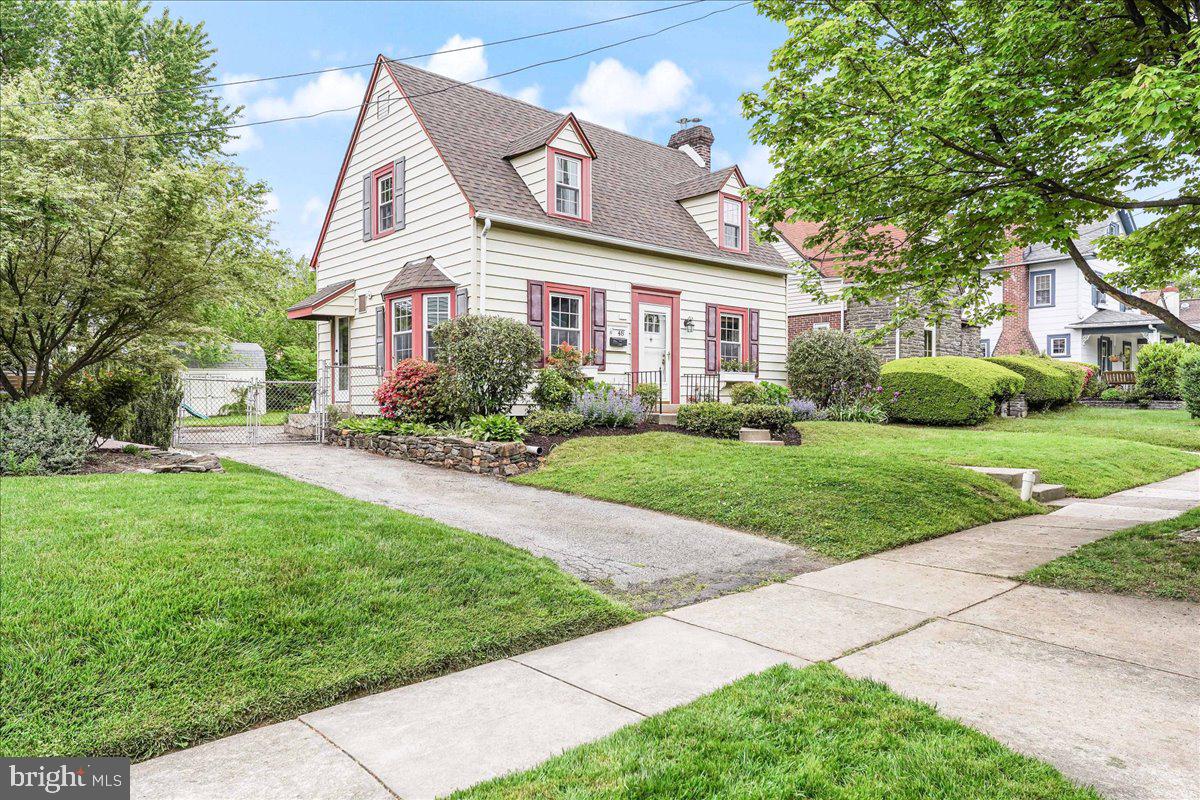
1127	729
756	435
1014	477
432	738
286	761
972	555
1046	492
812	624
912	586
1164	634
655	664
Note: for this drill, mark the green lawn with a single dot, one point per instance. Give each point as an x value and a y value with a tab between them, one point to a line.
224	420
1088	465
1167	428
839	503
142	613
1149	560
789	733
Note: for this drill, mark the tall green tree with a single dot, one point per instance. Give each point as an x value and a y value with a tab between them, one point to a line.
978	125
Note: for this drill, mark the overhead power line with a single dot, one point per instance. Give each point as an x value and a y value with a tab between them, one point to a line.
243	81
450	88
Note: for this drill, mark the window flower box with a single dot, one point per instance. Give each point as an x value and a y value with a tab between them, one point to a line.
736	377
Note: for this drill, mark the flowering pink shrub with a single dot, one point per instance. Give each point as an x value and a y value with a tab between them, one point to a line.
407	392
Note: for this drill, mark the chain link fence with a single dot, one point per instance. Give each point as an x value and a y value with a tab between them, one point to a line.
246	411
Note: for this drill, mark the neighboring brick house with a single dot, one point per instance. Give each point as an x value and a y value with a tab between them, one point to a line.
453	199
913	338
1057	312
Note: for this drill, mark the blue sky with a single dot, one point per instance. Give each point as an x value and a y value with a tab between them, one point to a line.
698	70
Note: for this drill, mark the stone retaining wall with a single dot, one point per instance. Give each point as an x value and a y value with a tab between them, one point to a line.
502	459
1157	405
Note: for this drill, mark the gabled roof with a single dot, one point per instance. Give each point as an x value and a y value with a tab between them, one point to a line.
419	274
706	184
633	180
542	136
1107	318
320	297
1189	310
828	259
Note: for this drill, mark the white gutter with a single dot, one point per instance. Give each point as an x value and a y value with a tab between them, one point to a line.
542	227
487	226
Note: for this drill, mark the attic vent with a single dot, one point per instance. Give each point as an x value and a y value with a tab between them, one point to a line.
362	302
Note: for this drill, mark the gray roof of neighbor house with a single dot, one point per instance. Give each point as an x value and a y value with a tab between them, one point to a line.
1085	239
1189	310
634	182
419	274
242	355
323	293
1107	318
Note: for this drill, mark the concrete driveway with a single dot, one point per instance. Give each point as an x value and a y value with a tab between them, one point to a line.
651	560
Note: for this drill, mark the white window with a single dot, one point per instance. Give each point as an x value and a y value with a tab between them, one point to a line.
437	311
930	342
731	223
402	329
731	337
568	185
386	217
820	326
1059	346
1043	289
383	105
566	320
984	344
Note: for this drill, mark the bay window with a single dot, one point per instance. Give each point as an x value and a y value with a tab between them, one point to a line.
437	311
402	329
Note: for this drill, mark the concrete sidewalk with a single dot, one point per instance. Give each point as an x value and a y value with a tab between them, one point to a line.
659	559
1106	688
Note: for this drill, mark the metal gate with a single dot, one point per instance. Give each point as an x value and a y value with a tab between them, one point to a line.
243	411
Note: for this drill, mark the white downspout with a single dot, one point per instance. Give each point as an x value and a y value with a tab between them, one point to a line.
487	226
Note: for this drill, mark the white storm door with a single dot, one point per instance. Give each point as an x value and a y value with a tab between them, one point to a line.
654	343
341	359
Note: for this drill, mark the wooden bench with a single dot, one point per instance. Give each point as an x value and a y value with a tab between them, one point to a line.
1120	377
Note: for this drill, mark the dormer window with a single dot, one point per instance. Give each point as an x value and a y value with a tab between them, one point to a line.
568	185
733	223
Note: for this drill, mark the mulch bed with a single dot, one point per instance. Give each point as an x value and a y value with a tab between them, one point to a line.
791	436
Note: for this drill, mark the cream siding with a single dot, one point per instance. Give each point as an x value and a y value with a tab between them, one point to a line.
436	215
704	209
531	167
516	256
569	141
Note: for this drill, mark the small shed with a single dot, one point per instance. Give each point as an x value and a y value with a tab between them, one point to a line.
223	388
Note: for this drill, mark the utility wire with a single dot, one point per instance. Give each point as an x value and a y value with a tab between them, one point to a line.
244	81
452	87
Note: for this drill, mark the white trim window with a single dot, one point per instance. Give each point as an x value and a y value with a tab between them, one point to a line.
436	309
731	337
1058	346
929	342
387	214
402	329
568	185
1043	290
566	320
731	223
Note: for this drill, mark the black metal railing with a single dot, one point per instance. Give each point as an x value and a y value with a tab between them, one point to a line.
631	380
700	388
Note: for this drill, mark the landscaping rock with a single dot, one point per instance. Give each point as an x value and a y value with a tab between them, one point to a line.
499	459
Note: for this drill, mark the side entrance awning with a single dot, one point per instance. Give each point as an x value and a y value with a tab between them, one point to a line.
334	300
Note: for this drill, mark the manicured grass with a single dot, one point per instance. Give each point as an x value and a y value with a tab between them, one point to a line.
789	733
840	503
1149	560
142	613
224	420
1166	428
1088	465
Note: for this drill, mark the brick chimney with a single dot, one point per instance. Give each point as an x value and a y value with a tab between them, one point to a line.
1014	328
699	137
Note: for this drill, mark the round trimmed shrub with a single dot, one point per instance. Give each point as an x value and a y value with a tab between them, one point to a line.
1045	384
1158	368
743	393
713	419
820	361
946	390
407	391
493	359
552	422
38	437
1188	376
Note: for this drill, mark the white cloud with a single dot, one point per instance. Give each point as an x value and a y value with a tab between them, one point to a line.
271	202
617	96
313	208
465	65
754	163
330	90
530	94
243	139
236	95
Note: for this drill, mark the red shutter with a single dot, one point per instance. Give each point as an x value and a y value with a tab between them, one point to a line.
536	312
599	326
754	338
712	360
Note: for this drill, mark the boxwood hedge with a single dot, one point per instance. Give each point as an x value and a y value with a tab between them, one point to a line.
1046	383
946	390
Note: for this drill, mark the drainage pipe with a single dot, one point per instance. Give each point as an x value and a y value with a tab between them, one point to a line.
533	449
483	239
1027	485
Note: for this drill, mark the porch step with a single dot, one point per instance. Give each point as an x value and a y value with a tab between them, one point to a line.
663	419
1009	475
755	435
1046	492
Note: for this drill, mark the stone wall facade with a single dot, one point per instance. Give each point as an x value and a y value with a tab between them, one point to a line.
803	323
953	337
500	459
1156	405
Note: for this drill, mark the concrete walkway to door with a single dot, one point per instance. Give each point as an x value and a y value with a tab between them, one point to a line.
1106	688
653	560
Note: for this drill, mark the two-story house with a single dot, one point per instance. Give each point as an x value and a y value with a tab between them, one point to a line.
453	199
1057	312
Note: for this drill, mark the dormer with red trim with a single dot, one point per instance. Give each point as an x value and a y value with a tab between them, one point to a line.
555	162
716	204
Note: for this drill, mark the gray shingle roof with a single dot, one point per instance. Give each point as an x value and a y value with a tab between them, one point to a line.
634	182
703	184
1107	318
242	355
419	274
320	295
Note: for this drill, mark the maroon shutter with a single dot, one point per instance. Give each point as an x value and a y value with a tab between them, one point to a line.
536	312
754	338
712	360
462	304
599	326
